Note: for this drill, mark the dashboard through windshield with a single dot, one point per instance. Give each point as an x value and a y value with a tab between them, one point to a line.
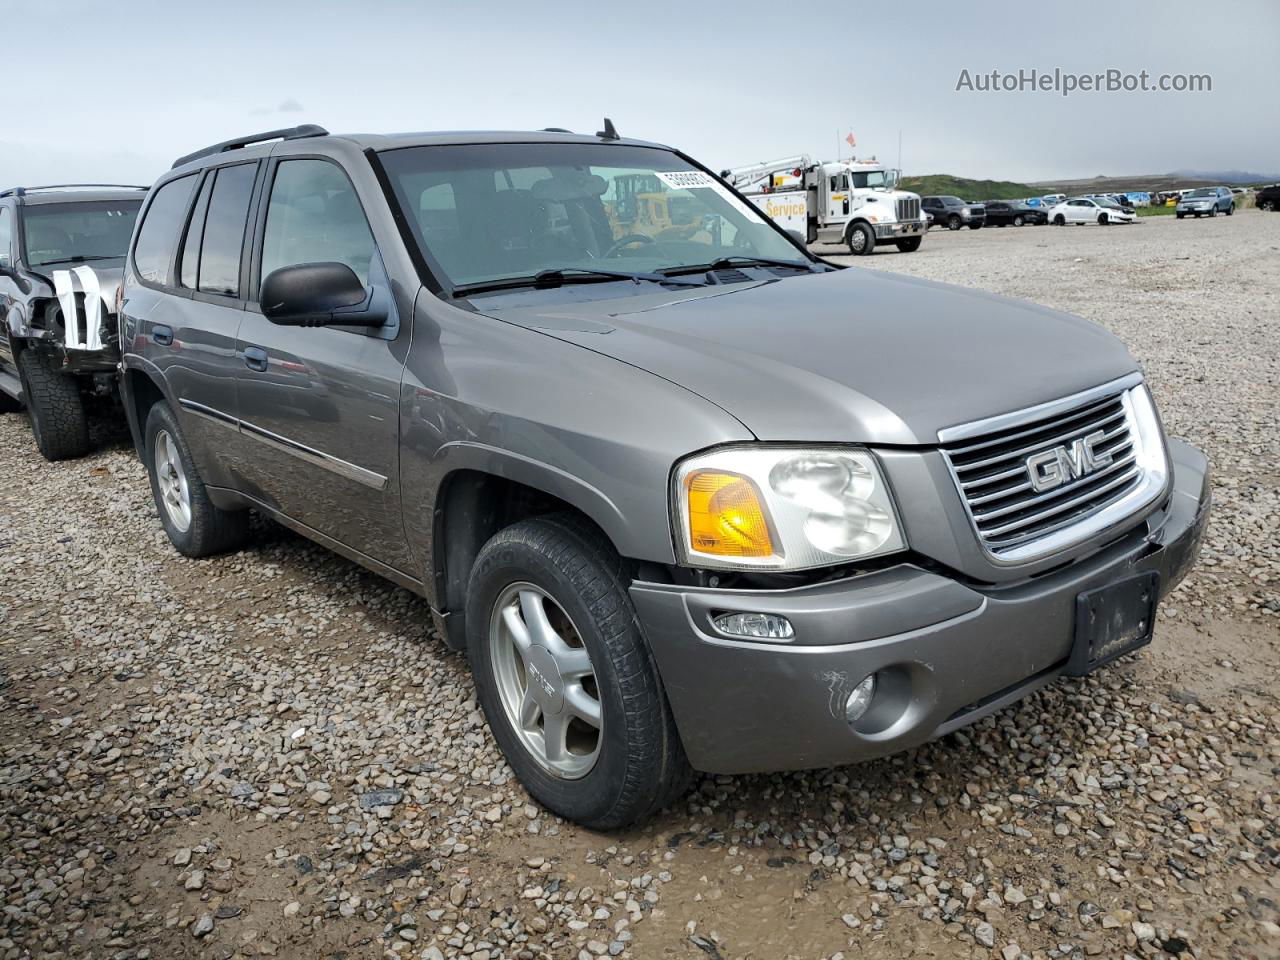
487	212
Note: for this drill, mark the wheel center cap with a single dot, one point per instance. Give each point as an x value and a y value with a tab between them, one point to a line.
544	680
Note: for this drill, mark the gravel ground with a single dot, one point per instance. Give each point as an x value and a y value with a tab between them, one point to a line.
269	754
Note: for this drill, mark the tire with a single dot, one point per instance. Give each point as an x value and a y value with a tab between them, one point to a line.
1179	215
861	240
1103	220
637	765
975	226
1266	205
207	529
55	405
910	245
1213	211
1018	221
1059	221
1231	210
954	222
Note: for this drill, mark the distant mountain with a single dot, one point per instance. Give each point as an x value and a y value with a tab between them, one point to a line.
945	185
1228	176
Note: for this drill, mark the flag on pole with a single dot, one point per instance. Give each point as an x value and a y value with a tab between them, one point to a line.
851	140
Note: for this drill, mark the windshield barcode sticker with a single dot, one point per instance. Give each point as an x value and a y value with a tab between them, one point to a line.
696	179
685	179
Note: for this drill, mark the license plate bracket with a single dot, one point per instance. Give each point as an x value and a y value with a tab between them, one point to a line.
1112	621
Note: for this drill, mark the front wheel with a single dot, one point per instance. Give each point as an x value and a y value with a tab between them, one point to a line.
861	240
193	524
56	406
1266	205
954	222
1213	211
1103	219
910	245
1231	209
565	677
1018	221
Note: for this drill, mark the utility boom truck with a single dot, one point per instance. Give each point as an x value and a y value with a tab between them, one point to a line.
852	202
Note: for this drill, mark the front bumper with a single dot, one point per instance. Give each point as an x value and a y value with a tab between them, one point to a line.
896	231
947	653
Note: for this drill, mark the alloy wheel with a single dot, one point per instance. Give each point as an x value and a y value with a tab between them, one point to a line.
546	681
171	478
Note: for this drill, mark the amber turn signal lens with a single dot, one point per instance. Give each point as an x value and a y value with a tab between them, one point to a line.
726	517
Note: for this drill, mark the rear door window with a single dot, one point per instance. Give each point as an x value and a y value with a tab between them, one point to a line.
158	239
224	229
6	235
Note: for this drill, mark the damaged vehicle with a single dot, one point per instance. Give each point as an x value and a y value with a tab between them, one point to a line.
62	249
689	497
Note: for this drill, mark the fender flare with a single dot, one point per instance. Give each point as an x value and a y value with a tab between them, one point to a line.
133	363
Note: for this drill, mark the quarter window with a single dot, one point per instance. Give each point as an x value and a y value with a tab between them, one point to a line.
224	230
158	238
314	216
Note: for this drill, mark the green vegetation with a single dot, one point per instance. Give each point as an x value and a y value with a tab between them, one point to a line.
1160	211
945	185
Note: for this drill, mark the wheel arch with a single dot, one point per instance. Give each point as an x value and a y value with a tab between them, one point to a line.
485	491
141	387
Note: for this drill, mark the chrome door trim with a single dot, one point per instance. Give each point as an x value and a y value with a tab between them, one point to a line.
319	458
343	468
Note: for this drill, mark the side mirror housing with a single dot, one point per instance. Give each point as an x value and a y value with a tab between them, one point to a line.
318	295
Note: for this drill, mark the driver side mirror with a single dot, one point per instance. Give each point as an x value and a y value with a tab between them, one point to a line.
319	295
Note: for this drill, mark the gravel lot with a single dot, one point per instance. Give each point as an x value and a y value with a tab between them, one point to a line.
269	754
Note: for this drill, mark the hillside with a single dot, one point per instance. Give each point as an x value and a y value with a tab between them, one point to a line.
945	185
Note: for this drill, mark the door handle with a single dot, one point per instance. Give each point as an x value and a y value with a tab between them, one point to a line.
162	335
255	358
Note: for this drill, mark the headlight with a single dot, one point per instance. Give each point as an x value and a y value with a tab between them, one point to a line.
782	508
964	210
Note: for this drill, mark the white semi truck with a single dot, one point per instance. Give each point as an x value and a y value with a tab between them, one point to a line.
852	202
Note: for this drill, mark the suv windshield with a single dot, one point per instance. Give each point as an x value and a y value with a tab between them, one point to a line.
77	231
485	212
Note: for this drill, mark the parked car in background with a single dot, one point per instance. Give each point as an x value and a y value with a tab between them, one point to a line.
1206	202
1014	213
1268	198
810	514
61	253
1099	210
954	213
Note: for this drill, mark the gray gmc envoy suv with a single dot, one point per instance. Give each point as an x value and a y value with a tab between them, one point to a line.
688	497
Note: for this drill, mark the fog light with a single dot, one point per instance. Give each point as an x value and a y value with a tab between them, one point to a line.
860	699
758	626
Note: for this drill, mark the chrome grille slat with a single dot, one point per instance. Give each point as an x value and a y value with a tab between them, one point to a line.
1028	504
1042	444
908	209
994	479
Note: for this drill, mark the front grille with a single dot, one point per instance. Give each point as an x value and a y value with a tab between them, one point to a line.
909	209
996	480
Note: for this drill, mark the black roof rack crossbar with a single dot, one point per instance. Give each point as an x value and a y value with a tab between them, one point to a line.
287	133
19	191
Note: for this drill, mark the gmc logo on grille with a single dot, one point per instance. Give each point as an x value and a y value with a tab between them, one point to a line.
1050	469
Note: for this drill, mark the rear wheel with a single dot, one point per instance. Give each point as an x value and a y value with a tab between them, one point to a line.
56	406
910	245
193	524
1018	221
1266	205
1059	221
861	239
565	677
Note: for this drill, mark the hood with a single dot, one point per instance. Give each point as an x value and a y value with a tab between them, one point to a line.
108	274
848	356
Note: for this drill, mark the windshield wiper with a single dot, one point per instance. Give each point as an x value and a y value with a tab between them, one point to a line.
724	263
79	259
549	279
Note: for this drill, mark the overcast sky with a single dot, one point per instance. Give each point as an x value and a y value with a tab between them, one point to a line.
116	91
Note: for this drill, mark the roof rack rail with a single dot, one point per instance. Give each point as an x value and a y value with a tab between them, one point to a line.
19	191
286	133
555	130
